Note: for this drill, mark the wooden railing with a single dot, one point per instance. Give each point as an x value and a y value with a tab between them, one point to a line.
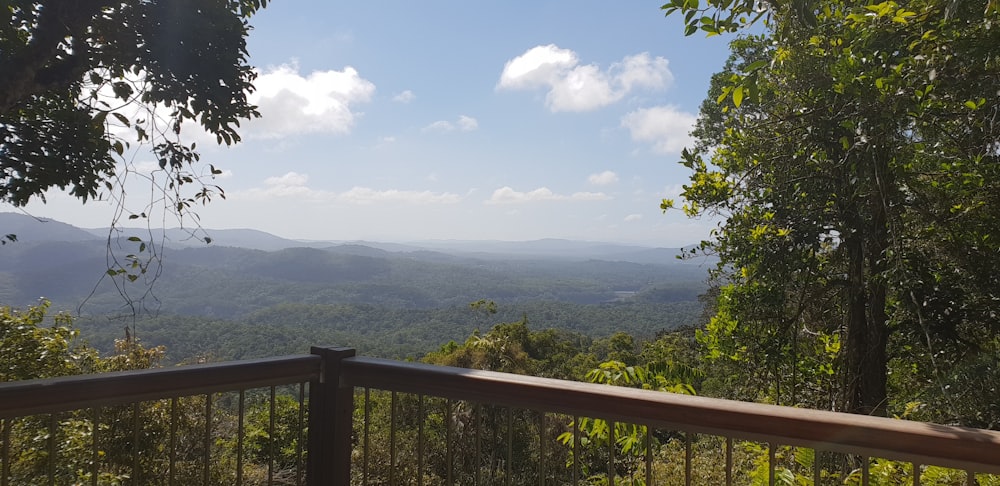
336	379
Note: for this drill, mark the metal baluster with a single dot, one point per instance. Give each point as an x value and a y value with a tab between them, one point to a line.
300	439
94	446
5	425
136	472
364	457
817	469
687	459
729	461
510	446
392	440
51	443
207	454
970	478
649	455
771	460
270	439
449	451
541	448
865	474
477	412
420	440
611	451
240	433
916	474
173	442
576	451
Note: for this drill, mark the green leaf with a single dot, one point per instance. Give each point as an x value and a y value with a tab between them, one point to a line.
738	96
122	118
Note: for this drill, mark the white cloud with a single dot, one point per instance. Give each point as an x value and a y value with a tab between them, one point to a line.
295	185
365	195
320	102
602	179
439	126
538	67
467	123
666	128
572	87
642	71
633	217
507	195
463	124
289	179
291	184
404	97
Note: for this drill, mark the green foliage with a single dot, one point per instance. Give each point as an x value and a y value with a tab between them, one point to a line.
278	444
633	443
31	349
65	69
845	153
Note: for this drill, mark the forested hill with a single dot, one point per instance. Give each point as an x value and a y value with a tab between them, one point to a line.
390	298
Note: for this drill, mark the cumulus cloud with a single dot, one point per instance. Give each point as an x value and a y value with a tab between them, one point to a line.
463	124
467	123
507	195
366	195
291	184
574	87
633	217
666	128
603	179
321	102
404	97
296	185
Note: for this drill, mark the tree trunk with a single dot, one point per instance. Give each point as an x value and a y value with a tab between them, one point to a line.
867	321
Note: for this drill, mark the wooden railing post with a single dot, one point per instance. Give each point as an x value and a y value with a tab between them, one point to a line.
331	409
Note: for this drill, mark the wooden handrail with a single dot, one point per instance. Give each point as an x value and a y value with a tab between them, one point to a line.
921	443
29	397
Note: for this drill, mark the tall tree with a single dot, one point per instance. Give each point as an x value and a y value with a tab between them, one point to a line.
81	80
850	151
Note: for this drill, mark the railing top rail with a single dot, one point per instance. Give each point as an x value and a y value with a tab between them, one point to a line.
918	442
29	397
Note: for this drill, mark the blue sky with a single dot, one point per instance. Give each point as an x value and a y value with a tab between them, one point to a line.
407	121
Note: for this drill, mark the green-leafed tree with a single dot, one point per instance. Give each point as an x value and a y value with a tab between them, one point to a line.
85	84
851	160
68	70
34	344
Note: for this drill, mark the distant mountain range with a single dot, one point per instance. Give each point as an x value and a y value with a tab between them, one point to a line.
250	293
34	230
244	271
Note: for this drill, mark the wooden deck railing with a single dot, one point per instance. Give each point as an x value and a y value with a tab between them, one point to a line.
336	379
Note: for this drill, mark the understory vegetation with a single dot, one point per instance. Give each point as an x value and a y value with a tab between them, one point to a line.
491	443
